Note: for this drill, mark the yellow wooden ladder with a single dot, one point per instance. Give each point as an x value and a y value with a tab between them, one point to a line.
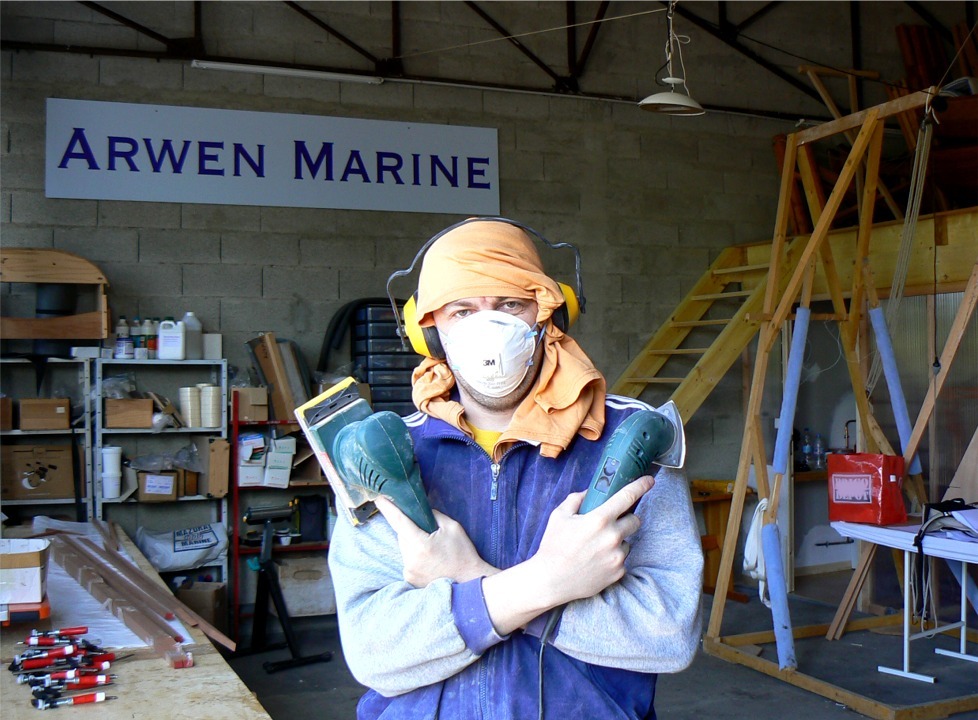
714	322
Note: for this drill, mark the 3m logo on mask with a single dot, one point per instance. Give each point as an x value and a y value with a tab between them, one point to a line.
491	350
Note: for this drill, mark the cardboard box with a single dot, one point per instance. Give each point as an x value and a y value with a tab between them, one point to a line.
278	468
6	414
252	403
250	475
36	472
251	449
207	599
218	468
306	584
51	414
157	486
128	413
23	570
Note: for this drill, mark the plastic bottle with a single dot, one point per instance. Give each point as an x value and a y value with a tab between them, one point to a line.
818	453
149	338
123	341
806	449
172	337
194	337
139	349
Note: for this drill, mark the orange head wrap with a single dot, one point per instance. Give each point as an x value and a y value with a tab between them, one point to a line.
493	258
484	259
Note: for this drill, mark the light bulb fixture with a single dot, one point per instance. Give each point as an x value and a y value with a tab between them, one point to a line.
286	72
672	102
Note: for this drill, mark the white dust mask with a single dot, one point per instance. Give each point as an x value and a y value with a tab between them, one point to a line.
491	350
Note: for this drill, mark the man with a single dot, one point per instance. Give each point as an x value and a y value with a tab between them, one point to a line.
512	423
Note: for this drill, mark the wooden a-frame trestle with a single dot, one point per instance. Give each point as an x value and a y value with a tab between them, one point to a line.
790	284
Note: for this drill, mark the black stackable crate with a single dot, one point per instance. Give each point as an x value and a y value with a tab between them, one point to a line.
381	360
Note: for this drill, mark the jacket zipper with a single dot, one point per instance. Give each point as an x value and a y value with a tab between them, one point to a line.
494	489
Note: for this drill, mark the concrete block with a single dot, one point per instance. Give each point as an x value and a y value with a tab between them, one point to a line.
190	246
219	280
120	213
243	248
393	96
99	244
134	280
30	207
60	67
283	281
326	252
219	82
252	315
220	217
23	172
142	73
23	236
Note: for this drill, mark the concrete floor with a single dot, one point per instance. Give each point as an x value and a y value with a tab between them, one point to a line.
710	688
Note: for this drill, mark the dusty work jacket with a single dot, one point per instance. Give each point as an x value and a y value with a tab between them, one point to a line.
433	653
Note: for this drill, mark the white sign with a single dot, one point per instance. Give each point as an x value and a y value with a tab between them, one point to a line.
163	153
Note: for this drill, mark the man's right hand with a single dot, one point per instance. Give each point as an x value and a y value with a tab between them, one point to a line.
581	555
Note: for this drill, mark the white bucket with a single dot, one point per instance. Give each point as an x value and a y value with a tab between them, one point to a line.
111	486
111	460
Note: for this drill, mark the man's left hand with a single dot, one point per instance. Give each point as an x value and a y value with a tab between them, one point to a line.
447	552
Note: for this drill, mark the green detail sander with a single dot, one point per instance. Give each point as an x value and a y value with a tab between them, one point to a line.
376	455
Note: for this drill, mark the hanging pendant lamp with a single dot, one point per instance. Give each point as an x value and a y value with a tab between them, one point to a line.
672	102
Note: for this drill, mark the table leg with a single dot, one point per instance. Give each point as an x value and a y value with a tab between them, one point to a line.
907	590
962	654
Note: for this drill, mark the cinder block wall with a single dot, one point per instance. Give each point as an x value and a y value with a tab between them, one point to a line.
649	200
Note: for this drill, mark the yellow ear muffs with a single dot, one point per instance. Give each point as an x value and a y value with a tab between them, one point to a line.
424	340
566	315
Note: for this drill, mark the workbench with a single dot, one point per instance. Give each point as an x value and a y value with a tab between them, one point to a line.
146	686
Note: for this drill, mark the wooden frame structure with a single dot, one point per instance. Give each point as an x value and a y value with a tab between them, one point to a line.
41	265
791	282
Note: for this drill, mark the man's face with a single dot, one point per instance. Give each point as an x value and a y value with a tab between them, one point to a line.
526	310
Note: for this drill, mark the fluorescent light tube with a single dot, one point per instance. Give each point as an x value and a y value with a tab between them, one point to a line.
286	72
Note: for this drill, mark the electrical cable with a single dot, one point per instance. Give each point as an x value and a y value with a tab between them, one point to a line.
516	36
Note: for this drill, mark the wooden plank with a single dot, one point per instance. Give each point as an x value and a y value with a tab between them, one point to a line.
150	628
860	703
43	265
117	561
882	111
848	603
84	326
825	218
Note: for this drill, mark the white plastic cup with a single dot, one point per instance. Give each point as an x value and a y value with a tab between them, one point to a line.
111	486
111	460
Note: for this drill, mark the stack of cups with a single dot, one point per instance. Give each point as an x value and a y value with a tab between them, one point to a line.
111	472
190	406
210	405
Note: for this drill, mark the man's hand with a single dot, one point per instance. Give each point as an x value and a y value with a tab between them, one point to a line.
579	556
447	552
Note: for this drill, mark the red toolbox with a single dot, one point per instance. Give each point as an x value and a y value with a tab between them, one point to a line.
866	488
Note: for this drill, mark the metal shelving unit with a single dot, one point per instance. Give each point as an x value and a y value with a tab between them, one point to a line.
163	377
79	436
